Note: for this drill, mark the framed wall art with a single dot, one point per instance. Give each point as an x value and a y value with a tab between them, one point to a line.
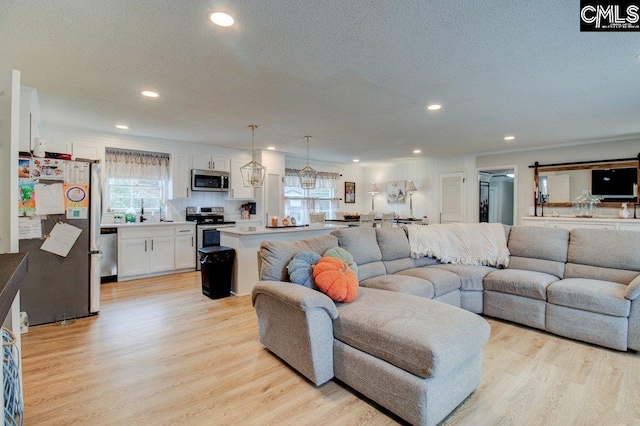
349	192
396	191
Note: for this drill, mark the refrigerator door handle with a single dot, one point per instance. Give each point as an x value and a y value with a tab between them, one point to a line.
95	252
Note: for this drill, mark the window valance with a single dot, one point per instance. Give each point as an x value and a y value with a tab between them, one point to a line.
130	164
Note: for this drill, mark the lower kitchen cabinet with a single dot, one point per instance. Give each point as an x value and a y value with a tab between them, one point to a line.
154	250
185	247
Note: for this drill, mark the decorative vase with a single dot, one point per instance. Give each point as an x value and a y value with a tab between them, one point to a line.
624	213
585	204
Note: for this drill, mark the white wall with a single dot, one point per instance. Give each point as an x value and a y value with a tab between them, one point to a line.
627	148
426	176
89	144
349	173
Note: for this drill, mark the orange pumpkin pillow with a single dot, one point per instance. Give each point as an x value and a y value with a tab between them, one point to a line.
335	279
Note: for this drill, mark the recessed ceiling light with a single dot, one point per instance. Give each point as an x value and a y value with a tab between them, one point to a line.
149	94
355	160
509	138
271	148
221	19
122	126
434	107
417	151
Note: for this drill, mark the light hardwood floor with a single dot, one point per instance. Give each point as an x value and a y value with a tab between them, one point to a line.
160	352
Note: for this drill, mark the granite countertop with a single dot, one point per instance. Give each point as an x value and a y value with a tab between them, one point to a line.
13	269
138	224
254	230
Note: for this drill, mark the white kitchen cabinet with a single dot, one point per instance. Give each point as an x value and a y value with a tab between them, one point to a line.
132	257
237	190
145	250
207	162
161	254
180	176
29	118
185	254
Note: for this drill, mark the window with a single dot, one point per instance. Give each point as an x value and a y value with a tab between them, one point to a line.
134	177
299	202
125	193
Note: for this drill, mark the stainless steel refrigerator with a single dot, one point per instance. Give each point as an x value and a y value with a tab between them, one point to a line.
56	286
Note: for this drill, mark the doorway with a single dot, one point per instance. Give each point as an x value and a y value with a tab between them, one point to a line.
496	195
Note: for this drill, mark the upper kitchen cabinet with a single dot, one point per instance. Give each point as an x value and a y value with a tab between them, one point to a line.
237	189
180	176
207	162
29	118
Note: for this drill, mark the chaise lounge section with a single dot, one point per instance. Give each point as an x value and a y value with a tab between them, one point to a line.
406	343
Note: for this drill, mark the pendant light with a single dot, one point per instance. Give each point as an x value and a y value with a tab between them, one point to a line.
308	174
252	172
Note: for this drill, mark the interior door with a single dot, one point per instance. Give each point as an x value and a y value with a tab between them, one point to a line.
452	197
274	205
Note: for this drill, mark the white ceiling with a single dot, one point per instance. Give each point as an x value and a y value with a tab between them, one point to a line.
356	74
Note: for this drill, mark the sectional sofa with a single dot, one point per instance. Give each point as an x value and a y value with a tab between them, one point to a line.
411	340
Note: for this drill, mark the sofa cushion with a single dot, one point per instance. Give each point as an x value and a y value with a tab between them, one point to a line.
369	270
471	276
518	282
361	242
602	297
418	335
616	249
539	242
443	281
276	255
574	270
393	243
401	284
393	266
538	265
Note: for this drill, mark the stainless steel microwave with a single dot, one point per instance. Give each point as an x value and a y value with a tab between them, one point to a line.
207	180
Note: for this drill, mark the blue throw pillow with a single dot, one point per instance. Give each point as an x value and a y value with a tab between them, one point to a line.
301	268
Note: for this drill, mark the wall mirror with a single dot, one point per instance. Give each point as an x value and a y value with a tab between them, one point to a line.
613	181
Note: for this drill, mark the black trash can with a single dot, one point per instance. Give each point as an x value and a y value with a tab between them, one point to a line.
216	270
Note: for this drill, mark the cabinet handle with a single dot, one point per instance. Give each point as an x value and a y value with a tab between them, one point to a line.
151	245
213	165
145	245
209	165
191	241
185	230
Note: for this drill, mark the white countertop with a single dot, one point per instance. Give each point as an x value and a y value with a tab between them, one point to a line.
595	218
256	230
140	224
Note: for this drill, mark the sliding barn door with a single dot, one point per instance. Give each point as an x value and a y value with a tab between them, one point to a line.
452	197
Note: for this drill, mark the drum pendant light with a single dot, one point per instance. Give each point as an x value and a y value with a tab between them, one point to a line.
252	172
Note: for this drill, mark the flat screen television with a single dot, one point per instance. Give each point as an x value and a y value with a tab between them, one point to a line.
614	183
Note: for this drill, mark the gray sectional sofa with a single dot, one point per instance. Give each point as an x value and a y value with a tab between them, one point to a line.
411	340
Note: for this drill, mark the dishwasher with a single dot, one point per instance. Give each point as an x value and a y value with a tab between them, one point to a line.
109	256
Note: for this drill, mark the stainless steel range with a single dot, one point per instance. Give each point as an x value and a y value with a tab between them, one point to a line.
208	221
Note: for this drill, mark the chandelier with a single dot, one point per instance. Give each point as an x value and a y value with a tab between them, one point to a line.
252	172
308	174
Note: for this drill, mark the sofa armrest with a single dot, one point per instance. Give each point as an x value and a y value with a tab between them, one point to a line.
633	289
296	324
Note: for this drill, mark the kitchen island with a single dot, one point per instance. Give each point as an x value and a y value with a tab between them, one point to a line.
246	242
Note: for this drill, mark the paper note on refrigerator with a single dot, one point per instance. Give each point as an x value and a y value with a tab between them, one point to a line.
29	227
49	199
62	237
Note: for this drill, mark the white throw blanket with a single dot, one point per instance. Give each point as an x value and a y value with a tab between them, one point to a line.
462	243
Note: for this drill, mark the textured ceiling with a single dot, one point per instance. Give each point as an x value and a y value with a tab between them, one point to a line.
356	75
